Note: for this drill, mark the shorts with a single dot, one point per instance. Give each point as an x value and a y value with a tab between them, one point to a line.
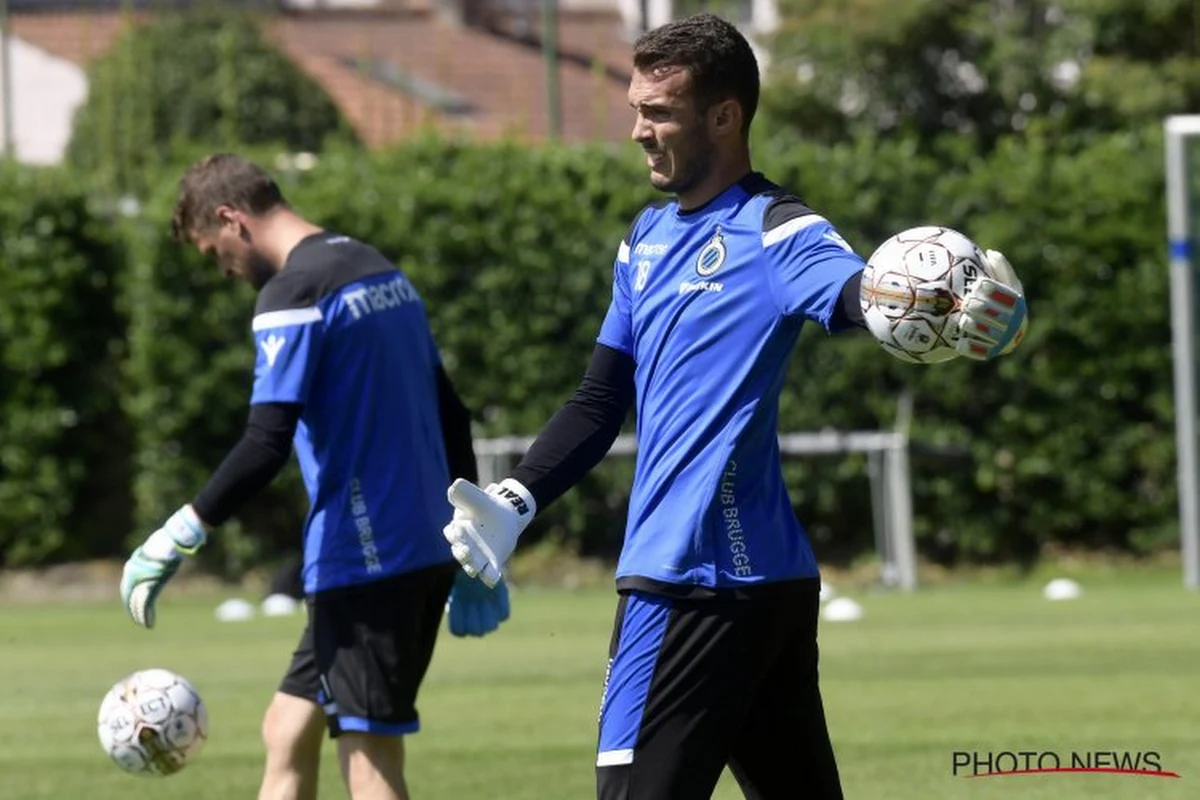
365	650
694	685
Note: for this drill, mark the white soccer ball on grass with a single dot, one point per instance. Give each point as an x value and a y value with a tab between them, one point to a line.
152	722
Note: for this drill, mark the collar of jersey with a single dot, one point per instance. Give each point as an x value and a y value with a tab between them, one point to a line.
307	241
730	196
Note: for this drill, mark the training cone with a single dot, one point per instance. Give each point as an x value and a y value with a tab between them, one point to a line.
1062	589
279	605
842	609
235	609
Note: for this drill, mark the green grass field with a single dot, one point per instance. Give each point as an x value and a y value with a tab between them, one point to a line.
988	666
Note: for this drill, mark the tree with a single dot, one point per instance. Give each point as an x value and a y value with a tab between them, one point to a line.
195	77
981	68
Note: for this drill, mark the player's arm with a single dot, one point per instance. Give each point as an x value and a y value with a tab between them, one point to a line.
849	313
579	435
288	334
816	274
251	464
487	522
456	429
247	469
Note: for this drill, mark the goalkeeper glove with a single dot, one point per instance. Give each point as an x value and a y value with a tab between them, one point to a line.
486	524
994	317
474	609
153	564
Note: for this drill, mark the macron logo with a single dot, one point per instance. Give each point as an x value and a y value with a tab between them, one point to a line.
644	249
271	347
380	296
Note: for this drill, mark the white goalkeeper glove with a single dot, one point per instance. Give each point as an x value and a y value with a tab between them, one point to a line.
486	525
994	316
152	565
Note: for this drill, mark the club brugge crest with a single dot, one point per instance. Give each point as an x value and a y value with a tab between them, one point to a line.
712	256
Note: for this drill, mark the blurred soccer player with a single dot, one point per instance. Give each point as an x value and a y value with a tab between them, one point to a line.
713	659
348	369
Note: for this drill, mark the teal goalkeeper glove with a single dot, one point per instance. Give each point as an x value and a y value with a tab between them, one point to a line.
153	564
474	609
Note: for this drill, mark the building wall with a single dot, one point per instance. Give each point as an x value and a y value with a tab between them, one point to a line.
46	90
759	17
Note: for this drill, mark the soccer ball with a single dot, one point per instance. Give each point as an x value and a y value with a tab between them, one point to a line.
152	722
913	288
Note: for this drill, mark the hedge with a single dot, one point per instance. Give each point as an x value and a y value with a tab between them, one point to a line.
1069	441
65	444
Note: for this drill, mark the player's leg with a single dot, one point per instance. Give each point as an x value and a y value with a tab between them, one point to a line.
374	644
293	729
675	696
372	765
783	751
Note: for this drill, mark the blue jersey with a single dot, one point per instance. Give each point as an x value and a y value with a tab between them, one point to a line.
343	332
709	303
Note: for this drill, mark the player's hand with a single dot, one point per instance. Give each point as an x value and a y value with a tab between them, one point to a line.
153	564
486	524
475	609
994	316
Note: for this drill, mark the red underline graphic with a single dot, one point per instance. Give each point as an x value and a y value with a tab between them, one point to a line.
1154	773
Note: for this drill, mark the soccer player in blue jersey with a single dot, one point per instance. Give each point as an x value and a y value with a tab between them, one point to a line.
713	659
347	369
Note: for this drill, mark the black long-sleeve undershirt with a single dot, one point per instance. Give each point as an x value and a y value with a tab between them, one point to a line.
456	430
849	311
266	445
579	435
252	464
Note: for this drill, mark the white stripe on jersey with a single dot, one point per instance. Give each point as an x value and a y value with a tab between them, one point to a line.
623	253
790	228
614	758
290	316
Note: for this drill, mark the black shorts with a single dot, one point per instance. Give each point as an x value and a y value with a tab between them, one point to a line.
694	685
365	650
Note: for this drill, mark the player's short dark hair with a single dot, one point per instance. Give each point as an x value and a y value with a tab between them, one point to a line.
713	51
221	179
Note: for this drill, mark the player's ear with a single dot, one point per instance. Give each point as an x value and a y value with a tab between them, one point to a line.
226	216
725	117
229	217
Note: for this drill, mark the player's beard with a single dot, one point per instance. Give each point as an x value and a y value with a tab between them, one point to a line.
258	271
691	162
240	260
